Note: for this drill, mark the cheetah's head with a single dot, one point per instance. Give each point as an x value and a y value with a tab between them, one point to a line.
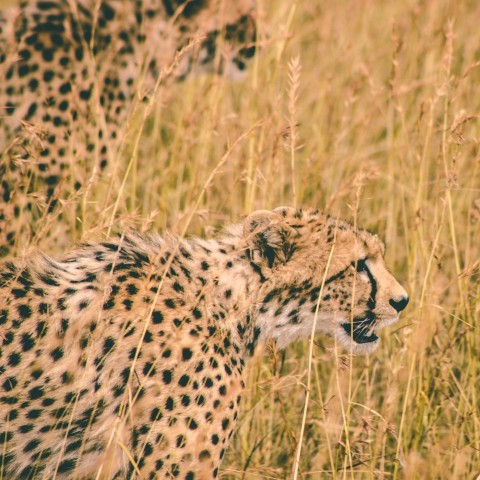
323	273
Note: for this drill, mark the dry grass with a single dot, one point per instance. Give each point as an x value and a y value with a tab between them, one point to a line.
369	110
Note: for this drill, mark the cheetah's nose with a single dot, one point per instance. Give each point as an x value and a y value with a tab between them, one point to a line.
399	305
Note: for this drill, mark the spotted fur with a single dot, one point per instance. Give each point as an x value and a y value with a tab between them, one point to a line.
126	359
70	72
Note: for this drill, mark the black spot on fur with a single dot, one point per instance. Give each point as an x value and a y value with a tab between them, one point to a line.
57	353
155	414
31	445
181	441
184	380
9	384
186	354
108	345
27	342
36	392
157	317
149	369
34	413
24	311
170	404
14	359
169	303
167	376
67	465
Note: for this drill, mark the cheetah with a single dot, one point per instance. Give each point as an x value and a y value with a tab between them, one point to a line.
126	359
71	75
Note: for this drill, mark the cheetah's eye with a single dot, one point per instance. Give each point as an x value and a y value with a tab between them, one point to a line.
361	265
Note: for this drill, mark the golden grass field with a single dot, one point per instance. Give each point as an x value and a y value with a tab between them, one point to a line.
369	110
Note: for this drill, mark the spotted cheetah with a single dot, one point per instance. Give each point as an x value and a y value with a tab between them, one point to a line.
71	75
126	359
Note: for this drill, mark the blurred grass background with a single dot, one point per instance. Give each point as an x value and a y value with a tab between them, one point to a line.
369	110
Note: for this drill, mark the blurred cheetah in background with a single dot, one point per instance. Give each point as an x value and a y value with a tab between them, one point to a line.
71	73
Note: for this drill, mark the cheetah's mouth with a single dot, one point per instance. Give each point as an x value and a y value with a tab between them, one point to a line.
361	330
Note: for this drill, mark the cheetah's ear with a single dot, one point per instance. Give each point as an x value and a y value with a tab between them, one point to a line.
268	236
